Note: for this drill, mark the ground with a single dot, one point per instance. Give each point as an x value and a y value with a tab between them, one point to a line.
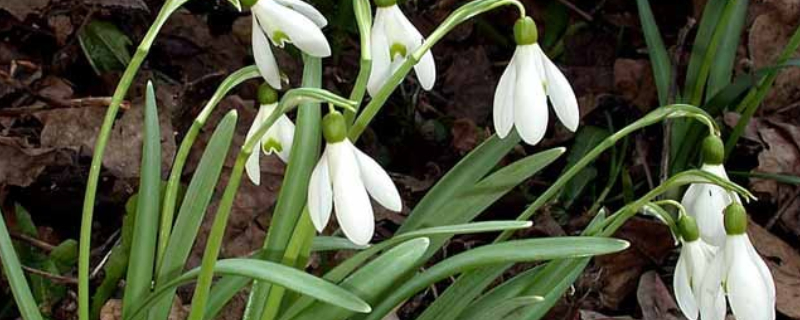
60	62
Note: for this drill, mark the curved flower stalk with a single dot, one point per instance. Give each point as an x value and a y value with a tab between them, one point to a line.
283	21
739	272
706	202
393	39
345	178
693	261
278	138
529	79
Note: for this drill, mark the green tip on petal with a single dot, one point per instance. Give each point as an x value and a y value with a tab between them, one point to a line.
525	31
735	219
713	150
248	3
266	94
272	145
688	228
279	38
334	128
385	3
397	49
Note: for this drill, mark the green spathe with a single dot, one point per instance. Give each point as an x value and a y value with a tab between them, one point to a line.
385	3
525	31
266	94
688	228
735	219
334	128
248	3
713	150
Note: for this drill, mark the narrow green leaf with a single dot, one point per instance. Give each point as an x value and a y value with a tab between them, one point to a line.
287	277
505	308
782	178
370	281
505	252
116	266
659	59
708	24
105	46
585	140
326	243
725	54
195	204
145	231
15	277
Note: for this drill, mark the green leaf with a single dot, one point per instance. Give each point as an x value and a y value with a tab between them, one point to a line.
585	140
65	255
145	231
782	178
115	268
105	46
505	252
369	282
503	309
236	4
702	41
725	54
326	243
662	68
287	277
193	209
15	277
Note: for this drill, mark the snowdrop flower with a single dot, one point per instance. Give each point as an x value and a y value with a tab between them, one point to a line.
393	40
285	21
706	202
278	138
694	260
345	178
740	272
529	79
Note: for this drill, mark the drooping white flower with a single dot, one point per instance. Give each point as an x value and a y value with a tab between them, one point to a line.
393	39
706	202
283	21
345	178
739	272
693	262
278	139
520	99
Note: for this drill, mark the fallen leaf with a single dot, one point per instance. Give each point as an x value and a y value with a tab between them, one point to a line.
768	35
22	163
21	9
633	79
594	315
112	310
655	299
62	28
466	135
469	81
783	261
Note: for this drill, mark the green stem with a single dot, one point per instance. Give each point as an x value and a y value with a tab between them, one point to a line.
660	114
99	149
363	14
458	16
171	192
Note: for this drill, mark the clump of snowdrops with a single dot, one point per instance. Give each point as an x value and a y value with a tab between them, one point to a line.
327	175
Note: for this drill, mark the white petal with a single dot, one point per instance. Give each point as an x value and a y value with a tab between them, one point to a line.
305	9
763	270
707	203
302	32
503	108
252	168
712	298
285	134
320	194
265	60
560	92
353	209
426	71
379	48
681	284
378	183
748	295
530	102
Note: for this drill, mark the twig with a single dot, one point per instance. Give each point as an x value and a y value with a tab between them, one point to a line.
783	209
586	16
96	102
33	241
53	277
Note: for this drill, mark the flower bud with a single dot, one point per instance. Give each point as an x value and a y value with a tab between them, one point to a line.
248	3
385	3
266	94
713	150
688	228
334	128
525	31
735	219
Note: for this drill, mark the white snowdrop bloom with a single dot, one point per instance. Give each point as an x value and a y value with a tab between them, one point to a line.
393	39
739	272
706	202
278	138
693	262
520	99
283	21
345	178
